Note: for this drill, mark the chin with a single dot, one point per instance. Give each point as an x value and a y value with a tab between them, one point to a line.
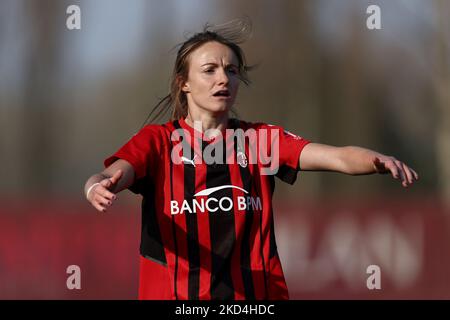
219	108
225	109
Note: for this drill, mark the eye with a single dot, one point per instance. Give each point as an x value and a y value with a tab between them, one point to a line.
209	70
232	70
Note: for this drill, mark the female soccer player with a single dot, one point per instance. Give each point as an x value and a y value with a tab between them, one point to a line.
207	220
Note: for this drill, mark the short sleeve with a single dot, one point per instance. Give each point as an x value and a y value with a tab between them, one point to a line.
290	147
142	151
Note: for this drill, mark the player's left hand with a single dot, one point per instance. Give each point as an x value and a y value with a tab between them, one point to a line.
399	170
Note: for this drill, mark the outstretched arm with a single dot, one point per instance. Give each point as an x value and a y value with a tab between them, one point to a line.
354	161
100	189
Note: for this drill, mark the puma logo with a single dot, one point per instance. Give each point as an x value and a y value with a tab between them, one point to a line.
186	160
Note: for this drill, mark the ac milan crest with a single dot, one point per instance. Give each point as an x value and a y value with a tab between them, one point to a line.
242	159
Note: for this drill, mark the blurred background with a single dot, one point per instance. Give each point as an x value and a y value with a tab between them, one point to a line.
70	98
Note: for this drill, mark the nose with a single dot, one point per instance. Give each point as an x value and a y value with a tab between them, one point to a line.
223	78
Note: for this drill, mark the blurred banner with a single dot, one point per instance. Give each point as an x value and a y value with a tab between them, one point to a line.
325	247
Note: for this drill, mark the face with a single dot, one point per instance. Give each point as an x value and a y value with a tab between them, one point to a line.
213	81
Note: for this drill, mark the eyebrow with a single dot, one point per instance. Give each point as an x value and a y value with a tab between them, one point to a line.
215	64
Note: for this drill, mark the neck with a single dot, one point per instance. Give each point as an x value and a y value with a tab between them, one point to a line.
208	121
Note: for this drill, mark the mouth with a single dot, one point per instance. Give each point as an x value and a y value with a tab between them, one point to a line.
224	94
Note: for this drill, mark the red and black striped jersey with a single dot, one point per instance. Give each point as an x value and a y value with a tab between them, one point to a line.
207	226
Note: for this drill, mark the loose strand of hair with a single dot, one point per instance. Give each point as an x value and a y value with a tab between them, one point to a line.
164	103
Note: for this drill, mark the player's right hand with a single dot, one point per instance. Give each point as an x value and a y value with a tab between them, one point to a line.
100	196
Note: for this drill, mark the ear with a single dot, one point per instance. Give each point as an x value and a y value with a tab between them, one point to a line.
184	85
185	88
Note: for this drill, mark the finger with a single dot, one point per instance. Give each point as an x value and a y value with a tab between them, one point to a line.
416	175
103	201
117	175
99	207
409	174
402	173
390	165
102	191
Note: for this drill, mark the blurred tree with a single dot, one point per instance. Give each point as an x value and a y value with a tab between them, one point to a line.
297	104
45	21
348	113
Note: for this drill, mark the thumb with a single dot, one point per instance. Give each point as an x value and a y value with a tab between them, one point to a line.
379	166
116	177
